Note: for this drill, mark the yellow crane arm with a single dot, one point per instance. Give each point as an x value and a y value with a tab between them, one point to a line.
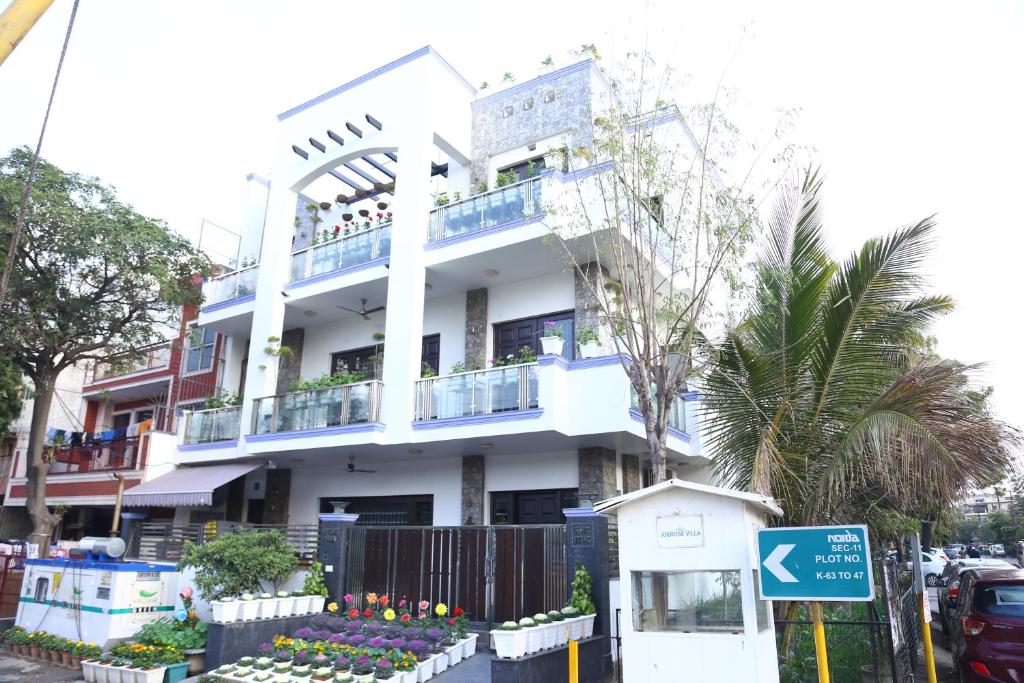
16	21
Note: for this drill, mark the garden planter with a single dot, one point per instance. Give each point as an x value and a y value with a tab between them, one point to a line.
440	662
285	607
114	674
224	612
405	676
302	605
549	636
424	670
509	644
100	672
248	610
588	625
175	673
76	662
316	604
65	659
469	645
575	626
154	674
454	654
268	607
534	637
53	656
590	350
363	678
33	651
196	661
552	345
88	672
561	630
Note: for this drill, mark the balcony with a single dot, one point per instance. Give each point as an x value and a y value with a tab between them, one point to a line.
676	415
217	424
149	358
504	205
230	286
119	455
340	252
335	406
479	392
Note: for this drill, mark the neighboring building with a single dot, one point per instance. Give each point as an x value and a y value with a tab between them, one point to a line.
355	253
115	418
981	503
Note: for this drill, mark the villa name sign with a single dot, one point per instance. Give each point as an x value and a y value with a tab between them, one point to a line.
680	531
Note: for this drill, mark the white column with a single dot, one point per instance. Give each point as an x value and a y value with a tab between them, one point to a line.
404	323
268	312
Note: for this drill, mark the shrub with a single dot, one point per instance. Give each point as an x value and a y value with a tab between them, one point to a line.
314	584
509	626
237	562
581	587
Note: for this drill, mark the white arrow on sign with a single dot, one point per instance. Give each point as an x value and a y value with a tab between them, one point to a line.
773	563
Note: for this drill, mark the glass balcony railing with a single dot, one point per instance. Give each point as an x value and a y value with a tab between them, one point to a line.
477	392
231	285
149	358
676	414
506	204
217	424
342	252
318	408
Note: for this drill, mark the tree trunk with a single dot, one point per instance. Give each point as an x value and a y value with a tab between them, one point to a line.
36	467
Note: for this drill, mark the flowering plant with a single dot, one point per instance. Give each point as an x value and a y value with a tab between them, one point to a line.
552	329
441	609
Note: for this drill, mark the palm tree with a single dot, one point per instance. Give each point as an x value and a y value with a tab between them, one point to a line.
823	398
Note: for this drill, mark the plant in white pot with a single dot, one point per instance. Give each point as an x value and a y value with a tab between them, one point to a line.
248	607
559	626
573	622
225	610
551	341
509	640
301	602
546	629
466	639
315	587
582	585
534	635
590	344
285	604
268	605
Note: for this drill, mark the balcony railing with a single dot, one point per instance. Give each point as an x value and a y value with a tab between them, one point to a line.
477	392
149	358
217	424
342	252
328	407
119	455
676	414
231	285
503	205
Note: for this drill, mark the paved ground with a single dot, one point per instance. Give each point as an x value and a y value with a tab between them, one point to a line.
30	671
473	670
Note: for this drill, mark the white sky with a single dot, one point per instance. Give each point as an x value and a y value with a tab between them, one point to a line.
914	108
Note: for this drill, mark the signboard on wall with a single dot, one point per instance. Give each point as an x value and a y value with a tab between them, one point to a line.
680	531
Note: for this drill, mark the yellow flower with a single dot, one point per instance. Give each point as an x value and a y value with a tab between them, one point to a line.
389	614
333	607
441	609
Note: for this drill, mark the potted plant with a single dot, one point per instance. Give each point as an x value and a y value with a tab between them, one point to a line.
248	608
33	644
302	601
268	606
384	670
547	630
101	669
175	664
466	640
590	344
560	628
533	635
285	604
225	610
315	587
509	640
582	585
362	670
118	672
552	342
572	619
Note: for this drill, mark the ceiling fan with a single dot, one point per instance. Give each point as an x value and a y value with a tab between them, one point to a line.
352	466
363	311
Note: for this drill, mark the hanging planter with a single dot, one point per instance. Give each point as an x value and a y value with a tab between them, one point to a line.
382	205
346	217
365	213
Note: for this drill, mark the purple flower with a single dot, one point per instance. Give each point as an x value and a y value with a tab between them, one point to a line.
417	645
266	648
398	643
342	663
305	633
335	624
338	638
435	634
322	634
320	660
354	626
376	642
362	660
357	640
319	620
374	629
393	630
383	664
283	655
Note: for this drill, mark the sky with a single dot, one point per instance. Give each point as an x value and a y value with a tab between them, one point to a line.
911	108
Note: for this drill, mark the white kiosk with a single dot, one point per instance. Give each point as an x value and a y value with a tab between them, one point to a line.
687	562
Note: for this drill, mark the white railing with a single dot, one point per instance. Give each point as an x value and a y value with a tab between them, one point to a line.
503	205
149	358
328	407
477	392
341	252
215	424
231	285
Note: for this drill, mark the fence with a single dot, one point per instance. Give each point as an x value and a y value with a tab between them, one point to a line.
496	573
12	570
161	542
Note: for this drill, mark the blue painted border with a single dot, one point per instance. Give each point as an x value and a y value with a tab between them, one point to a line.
672	431
230	302
581	363
106	566
359	428
341	272
494	230
209	446
338	517
534	82
489	418
379	71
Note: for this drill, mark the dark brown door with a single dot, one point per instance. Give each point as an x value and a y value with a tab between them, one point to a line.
431	353
275	504
511	336
538	508
363	360
236	494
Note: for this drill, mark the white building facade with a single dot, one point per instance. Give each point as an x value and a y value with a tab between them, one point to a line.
370	342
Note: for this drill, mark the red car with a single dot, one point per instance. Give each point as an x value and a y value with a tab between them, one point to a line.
987	625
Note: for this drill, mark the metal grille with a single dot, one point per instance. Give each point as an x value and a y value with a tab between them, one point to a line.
613	546
154	542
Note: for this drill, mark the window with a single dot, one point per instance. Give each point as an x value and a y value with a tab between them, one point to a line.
688	601
762	608
369	360
511	336
200	349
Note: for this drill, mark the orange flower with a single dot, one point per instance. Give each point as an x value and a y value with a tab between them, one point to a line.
371	598
384	600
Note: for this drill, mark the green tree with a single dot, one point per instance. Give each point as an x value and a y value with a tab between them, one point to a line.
12	386
819	397
237	563
92	278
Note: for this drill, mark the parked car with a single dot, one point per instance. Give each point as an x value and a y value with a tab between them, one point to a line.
997	550
987	625
933	565
949	584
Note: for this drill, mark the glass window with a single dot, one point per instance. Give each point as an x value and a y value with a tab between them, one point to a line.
200	349
1004	600
762	608
688	601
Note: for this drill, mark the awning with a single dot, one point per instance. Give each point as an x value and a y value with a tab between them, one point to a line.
185	486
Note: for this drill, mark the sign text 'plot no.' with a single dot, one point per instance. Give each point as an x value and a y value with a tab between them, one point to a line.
830	563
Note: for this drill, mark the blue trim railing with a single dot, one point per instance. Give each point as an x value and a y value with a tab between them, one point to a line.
480	212
335	406
342	252
478	392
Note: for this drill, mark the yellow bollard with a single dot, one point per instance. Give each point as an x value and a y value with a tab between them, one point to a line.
574	661
819	642
926	636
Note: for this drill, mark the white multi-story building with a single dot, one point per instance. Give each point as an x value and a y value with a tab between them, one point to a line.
377	255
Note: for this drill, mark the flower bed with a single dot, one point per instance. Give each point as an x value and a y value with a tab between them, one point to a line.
49	648
369	640
136	663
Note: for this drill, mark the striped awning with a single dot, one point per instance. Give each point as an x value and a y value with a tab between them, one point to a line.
187	486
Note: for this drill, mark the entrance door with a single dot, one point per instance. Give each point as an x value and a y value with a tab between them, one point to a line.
538	508
278	488
511	336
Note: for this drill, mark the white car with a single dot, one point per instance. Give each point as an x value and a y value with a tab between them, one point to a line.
997	550
932	564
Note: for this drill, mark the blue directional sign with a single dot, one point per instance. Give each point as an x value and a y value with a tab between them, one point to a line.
815	563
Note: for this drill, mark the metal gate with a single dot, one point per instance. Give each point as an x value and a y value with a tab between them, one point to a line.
495	573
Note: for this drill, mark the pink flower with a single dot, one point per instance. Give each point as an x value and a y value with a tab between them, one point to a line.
186	593
402	603
380	215
424	605
349	598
